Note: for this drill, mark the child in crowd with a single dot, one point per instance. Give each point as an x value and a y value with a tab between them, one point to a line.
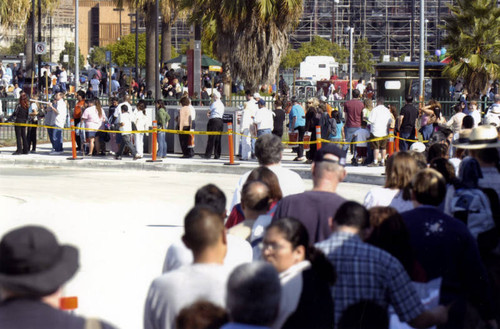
362	135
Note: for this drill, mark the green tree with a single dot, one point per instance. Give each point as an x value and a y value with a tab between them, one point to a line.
97	56
69	49
473	43
123	51
317	47
363	57
250	37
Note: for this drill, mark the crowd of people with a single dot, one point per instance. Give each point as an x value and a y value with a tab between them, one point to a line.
421	251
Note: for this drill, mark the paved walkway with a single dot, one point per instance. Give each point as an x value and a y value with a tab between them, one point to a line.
174	162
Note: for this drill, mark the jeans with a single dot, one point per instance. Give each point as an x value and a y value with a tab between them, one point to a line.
404	145
162	144
126	141
300	149
56	139
32	138
427	131
263	132
349	136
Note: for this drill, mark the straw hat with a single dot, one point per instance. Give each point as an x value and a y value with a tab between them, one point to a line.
481	137
417	147
463	138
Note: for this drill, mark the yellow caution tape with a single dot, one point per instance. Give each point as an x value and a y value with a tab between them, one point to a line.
185	132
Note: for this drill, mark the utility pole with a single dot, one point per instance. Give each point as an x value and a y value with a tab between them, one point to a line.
157	60
77	51
39	39
422	50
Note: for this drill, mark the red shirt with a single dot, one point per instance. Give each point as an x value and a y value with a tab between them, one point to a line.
353	110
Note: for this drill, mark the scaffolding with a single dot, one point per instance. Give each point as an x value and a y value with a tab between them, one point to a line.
392	27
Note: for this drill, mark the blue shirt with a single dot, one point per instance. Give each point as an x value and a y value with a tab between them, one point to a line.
216	110
365	272
297	112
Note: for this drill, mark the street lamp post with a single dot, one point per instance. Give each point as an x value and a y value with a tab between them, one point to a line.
77	51
351	55
136	15
120	9
422	55
157	60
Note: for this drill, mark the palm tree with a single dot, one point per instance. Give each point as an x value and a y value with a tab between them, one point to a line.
473	43
170	12
250	36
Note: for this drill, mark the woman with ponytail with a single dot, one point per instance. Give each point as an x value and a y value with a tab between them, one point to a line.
21	116
306	276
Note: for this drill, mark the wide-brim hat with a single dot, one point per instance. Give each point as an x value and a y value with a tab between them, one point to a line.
481	137
463	138
32	262
495	110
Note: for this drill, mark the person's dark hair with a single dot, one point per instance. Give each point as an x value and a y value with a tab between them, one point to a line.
268	149
489	156
409	98
253	294
202	228
364	315
445	168
429	187
419	158
201	315
467	122
81	93
352	214
336	116
267	176
24	101
437	111
185	101
113	99
457	108
296	233
160	103
391	234
380	100
438	150
356	93
98	107
141	106
248	92
124	108
212	196
278	103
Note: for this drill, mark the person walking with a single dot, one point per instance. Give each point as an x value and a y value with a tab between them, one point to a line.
141	123
126	126
33	119
215	123
21	115
407	121
297	119
380	121
58	120
263	119
185	125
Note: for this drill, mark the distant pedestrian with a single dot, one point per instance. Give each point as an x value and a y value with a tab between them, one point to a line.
163	119
263	119
215	124
407	121
297	124
21	115
185	123
353	110
125	123
380	121
278	118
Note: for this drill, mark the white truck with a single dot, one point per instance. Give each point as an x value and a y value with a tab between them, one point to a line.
318	68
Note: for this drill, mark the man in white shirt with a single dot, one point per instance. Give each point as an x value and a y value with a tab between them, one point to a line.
246	126
268	150
239	251
206	278
380	120
361	86
58	120
263	119
115	85
215	123
63	78
125	121
17	91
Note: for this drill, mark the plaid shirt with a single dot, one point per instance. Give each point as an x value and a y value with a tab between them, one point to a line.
365	272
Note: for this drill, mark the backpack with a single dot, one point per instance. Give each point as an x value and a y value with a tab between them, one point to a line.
328	126
472	206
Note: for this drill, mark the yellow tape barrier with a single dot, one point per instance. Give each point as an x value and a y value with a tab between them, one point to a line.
172	131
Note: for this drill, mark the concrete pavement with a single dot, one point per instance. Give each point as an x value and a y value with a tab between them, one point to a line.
174	162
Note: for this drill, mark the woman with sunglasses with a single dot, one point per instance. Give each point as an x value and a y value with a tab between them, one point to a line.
306	276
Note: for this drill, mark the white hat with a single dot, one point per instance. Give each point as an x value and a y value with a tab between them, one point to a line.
322	98
492	119
481	137
417	147
256	95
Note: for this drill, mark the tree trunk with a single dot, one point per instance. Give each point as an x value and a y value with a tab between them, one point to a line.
166	40
150	46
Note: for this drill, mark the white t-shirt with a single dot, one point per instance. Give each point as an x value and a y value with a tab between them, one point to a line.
476	116
125	118
290	183
264	118
386	197
238	252
60	119
63	77
362	135
171	292
380	120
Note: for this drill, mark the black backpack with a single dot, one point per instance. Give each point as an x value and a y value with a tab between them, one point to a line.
328	126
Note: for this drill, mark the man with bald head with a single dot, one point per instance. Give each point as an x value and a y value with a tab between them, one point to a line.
206	278
314	208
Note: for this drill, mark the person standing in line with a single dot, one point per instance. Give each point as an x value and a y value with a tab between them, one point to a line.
63	79
126	127
141	123
77	114
215	123
278	119
353	110
163	119
185	125
297	119
21	114
263	119
380	121
59	113
33	119
475	113
407	121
